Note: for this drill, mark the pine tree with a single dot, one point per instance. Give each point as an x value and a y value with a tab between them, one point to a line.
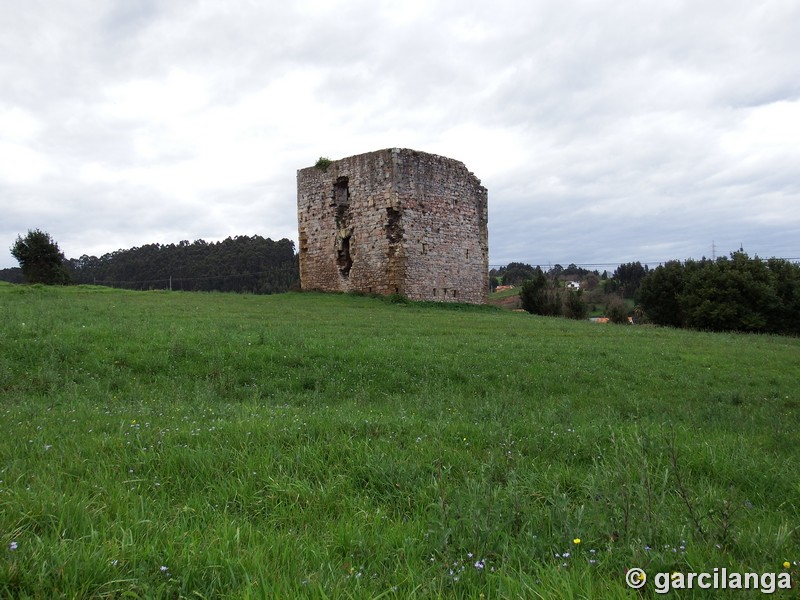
40	259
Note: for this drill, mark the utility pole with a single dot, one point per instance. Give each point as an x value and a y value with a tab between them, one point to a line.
713	250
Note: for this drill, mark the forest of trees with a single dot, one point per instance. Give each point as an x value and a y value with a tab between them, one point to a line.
542	296
730	293
241	264
736	293
547	293
516	273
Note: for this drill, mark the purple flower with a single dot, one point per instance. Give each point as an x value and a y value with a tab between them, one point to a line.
12	546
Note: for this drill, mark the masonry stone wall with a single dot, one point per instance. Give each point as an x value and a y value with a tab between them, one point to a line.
394	221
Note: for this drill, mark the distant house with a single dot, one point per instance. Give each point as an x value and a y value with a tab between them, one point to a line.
572	285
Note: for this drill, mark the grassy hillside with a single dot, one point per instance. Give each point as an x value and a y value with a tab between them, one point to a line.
165	445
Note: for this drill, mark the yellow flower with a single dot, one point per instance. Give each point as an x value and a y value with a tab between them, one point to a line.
786	564
576	541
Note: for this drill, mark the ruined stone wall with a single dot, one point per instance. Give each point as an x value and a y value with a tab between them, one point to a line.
394	221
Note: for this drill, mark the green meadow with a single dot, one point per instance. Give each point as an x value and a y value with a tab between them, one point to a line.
196	445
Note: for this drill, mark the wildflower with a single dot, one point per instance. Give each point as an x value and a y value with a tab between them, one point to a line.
565	555
12	546
638	576
786	564
479	564
576	541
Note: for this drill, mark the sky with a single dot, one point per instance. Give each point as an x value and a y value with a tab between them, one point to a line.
605	131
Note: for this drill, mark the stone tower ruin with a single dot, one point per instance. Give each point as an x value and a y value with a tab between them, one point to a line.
394	221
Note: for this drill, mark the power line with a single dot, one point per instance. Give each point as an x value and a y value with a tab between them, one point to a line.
591	266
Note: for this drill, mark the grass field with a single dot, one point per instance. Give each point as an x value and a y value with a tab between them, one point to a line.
170	445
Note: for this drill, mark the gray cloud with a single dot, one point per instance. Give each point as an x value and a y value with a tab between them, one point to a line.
605	132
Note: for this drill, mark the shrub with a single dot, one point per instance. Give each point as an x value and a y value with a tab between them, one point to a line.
40	259
538	296
323	163
735	293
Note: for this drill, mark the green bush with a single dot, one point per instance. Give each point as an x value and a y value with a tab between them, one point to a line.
323	163
735	293
40	259
539	297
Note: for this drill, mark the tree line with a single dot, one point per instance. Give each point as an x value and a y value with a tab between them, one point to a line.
551	292
237	264
735	293
730	293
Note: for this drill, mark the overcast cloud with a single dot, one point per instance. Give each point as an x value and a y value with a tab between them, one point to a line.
605	132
